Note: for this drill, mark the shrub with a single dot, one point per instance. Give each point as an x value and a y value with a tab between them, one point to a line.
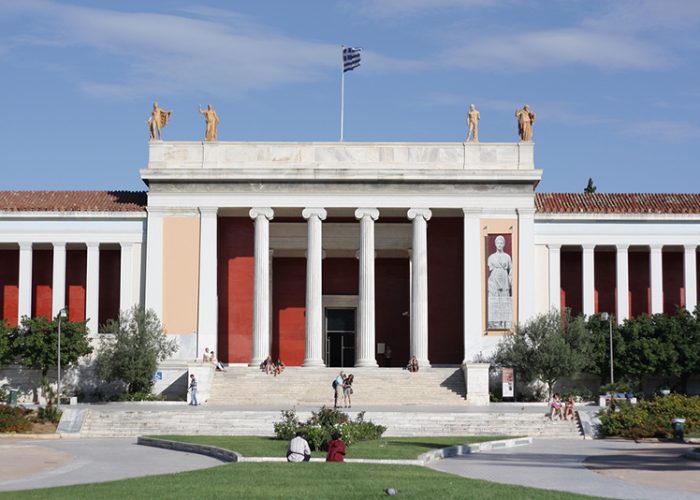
50	413
13	419
650	418
137	396
319	428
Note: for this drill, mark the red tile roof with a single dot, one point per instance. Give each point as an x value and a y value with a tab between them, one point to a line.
72	201
619	203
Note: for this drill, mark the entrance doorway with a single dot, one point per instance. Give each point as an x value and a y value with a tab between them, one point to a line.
340	337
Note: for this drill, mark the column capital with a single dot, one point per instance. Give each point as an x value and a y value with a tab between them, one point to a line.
588	246
367	212
92	244
25	245
309	212
472	212
690	248
622	247
526	211
58	244
266	212
426	213
126	245
554	246
656	247
208	211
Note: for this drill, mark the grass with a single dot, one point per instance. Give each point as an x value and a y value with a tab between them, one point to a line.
291	481
389	448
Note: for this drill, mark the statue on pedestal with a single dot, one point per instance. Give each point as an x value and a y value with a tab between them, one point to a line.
526	119
212	122
158	119
473	118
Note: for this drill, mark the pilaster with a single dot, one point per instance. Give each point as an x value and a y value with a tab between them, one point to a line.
554	276
207	307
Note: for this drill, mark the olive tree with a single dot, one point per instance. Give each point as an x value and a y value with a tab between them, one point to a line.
131	348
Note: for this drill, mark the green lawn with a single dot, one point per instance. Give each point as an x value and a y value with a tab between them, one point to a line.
304	481
394	448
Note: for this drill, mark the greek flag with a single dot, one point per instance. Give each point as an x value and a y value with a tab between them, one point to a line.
351	58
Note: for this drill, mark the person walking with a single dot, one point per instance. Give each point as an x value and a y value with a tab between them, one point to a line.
193	390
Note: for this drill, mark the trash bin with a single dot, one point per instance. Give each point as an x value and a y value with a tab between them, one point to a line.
678	425
12	397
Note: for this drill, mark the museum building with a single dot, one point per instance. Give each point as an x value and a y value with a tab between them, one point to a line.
335	254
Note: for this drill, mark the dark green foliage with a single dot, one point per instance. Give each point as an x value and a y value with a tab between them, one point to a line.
50	413
651	418
546	348
14	419
319	428
35	343
5	347
132	349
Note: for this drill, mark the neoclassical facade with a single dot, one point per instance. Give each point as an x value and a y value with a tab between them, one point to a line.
344	254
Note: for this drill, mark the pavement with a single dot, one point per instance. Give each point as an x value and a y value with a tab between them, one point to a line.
606	468
28	464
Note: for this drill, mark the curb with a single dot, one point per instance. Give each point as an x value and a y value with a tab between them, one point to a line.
423	459
692	455
201	449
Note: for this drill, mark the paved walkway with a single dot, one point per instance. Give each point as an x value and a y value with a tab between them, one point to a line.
26	464
607	468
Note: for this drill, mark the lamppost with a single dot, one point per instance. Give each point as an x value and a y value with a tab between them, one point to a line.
61	314
606	317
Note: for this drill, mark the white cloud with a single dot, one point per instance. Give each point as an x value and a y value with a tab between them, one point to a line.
663	131
393	8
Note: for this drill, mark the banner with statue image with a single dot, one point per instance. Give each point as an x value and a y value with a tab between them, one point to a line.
499	281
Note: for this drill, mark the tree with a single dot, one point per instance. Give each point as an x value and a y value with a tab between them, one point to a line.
590	187
132	349
5	351
546	348
35	343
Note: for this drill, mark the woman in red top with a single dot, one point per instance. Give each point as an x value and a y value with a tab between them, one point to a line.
336	449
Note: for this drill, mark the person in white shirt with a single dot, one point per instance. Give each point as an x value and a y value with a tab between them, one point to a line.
298	449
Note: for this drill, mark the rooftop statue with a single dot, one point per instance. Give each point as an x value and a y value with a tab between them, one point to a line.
473	118
212	122
526	119
158	119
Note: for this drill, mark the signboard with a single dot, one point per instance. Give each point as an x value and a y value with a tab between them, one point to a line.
508	382
499	282
158	377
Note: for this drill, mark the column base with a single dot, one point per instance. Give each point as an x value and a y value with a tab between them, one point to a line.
423	363
476	379
366	363
256	362
313	363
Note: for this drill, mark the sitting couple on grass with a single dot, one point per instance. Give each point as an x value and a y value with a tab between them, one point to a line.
271	367
298	449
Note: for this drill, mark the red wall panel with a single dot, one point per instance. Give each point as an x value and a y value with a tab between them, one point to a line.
341	276
288	310
639	281
76	275
110	267
605	281
9	285
235	288
392	298
445	290
672	270
42	279
572	280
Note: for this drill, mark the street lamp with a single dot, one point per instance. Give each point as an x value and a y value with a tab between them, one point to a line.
61	315
606	317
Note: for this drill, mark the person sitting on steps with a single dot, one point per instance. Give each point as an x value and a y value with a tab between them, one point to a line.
279	367
412	365
267	365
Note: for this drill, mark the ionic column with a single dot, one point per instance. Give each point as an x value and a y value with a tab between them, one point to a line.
656	277
473	293
588	279
314	291
92	292
126	277
154	262
261	285
58	284
419	285
690	274
526	264
366	328
554	276
622	283
207	325
24	305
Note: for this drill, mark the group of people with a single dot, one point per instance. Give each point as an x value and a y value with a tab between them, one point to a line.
273	368
210	357
299	450
342	385
560	409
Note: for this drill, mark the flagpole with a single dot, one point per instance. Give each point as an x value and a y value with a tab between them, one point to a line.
342	92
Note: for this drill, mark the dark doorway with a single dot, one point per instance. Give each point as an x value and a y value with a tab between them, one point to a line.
340	337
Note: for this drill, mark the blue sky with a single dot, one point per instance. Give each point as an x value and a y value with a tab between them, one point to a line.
615	84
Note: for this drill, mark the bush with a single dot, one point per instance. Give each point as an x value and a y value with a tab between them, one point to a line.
322	424
650	418
137	396
13	419
50	413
